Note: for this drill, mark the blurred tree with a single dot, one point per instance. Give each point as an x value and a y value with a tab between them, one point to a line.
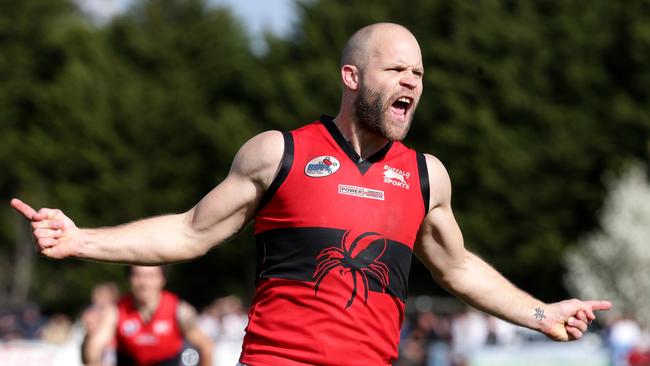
29	60
137	118
186	107
612	262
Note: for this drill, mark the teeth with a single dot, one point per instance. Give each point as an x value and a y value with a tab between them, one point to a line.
404	100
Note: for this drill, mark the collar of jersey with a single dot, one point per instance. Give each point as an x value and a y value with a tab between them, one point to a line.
362	164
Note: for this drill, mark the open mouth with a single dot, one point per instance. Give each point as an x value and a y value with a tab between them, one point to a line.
400	107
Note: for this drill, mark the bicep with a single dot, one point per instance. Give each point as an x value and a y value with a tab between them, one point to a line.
440	242
224	210
232	204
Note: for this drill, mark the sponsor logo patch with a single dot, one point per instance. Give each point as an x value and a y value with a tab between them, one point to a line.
130	326
397	177
361	192
146	339
162	327
322	166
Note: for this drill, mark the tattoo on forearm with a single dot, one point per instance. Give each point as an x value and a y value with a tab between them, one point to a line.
539	314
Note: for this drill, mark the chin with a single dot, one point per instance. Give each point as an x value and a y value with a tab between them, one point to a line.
395	133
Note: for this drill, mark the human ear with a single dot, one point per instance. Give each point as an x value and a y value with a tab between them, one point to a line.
350	76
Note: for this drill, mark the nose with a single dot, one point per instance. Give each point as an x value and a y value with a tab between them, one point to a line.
409	81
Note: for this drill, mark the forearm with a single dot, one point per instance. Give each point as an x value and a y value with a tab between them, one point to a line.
97	339
156	240
202	343
206	352
483	287
90	354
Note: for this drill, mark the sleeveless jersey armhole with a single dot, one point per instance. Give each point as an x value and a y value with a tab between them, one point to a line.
423	172
285	167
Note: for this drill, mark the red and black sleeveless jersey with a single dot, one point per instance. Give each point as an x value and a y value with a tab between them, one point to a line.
157	342
335	235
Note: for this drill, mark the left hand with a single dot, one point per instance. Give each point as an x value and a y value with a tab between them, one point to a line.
568	320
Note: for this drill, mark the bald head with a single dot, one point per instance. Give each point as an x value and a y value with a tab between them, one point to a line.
364	42
381	75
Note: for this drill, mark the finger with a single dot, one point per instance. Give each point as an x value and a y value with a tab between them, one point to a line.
582	316
589	314
47	213
48	233
598	305
25	209
44	243
48	252
574	333
47	224
575	323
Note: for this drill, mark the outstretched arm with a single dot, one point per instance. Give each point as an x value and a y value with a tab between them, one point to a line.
222	213
440	247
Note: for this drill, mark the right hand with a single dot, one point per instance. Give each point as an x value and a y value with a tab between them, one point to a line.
55	235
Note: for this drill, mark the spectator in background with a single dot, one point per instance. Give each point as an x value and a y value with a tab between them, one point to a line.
57	329
500	332
209	321
640	355
623	335
469	333
149	326
438	335
31	322
9	329
104	297
225	322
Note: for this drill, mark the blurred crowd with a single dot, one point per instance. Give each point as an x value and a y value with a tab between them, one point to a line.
27	323
429	337
454	338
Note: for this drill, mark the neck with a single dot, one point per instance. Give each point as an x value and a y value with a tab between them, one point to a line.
147	307
364	142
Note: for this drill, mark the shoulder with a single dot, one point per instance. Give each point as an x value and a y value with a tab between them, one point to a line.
439	182
260	157
186	315
265	147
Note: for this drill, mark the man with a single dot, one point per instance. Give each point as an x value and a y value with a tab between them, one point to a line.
339	206
149	326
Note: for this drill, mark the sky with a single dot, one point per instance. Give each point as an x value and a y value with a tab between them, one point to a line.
258	16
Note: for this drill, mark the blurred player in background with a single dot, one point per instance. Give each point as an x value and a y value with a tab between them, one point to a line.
148	326
104	297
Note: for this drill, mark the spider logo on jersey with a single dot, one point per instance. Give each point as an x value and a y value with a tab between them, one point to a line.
359	258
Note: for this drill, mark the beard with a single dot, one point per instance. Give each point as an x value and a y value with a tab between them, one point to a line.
370	111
